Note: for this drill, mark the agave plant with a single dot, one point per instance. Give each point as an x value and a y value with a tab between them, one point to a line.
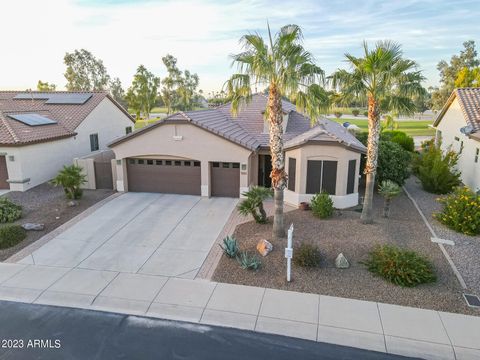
230	246
248	261
253	204
388	189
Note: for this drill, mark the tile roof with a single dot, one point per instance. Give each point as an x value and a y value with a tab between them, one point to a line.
247	128
469	100
67	116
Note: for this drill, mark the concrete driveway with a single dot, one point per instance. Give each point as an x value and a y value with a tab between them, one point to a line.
145	233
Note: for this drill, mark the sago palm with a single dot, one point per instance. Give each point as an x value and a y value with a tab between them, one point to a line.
282	64
388	82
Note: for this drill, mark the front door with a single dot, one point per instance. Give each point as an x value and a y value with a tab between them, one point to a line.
264	170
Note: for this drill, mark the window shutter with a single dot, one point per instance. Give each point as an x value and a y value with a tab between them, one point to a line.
292	163
314	173
352	165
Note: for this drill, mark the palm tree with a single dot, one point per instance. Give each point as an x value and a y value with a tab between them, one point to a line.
388	82
253	203
282	64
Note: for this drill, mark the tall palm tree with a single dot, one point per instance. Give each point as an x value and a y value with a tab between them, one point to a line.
282	64
388	82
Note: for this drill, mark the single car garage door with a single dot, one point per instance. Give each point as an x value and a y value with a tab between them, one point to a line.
225	179
164	176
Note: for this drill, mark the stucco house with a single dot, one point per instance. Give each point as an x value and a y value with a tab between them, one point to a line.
42	131
212	153
458	127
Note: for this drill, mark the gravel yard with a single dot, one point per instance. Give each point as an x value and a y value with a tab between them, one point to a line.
466	251
344	233
46	204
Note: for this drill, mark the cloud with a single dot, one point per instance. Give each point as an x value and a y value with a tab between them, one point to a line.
202	34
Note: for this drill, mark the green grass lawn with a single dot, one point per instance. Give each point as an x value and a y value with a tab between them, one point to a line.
142	123
412	128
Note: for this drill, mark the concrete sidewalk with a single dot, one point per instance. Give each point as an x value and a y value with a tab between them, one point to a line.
369	325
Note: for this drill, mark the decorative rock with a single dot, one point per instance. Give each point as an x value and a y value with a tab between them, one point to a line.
72	203
341	262
264	247
34	227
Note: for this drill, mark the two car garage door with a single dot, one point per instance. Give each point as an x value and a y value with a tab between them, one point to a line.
182	177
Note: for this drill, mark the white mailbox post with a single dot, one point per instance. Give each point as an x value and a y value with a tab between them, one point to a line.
289	252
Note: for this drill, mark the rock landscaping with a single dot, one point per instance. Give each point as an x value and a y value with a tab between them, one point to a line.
344	233
46	205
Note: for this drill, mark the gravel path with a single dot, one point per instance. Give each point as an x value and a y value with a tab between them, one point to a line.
466	251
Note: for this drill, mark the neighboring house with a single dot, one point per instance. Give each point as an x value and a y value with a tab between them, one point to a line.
211	153
42	131
458	127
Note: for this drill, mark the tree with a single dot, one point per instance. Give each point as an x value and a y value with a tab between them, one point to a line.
141	96
468	78
70	178
45	86
388	81
253	204
117	92
186	90
288	70
170	82
388	189
85	72
390	121
449	72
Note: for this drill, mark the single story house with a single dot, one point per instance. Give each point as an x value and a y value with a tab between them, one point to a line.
458	128
212	153
42	131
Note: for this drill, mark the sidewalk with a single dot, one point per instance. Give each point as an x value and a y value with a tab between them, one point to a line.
368	325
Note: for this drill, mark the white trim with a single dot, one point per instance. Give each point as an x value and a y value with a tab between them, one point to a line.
204	190
120	186
242	190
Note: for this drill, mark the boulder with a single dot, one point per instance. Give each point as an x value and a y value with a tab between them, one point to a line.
34	227
341	262
72	203
264	247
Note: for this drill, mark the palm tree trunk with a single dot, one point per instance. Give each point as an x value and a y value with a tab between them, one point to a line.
372	157
278	175
261	210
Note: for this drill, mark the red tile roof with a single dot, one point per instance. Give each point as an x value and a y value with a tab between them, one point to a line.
67	116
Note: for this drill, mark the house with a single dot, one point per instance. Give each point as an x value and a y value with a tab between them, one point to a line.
458	127
212	153
42	131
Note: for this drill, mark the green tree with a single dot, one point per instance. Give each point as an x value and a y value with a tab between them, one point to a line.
117	92
388	81
70	178
468	78
253	204
45	86
186	90
170	82
85	72
449	72
388	189
142	95
282	64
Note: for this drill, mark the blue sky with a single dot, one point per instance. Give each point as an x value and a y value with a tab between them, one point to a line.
202	34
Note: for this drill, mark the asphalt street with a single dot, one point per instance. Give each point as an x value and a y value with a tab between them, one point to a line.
30	331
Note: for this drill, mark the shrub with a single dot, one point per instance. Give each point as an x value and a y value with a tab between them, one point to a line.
322	205
435	169
337	114
11	235
355	112
461	211
9	211
362	137
249	262
230	246
400	266
400	138
365	113
388	189
253	204
393	163
70	178
307	255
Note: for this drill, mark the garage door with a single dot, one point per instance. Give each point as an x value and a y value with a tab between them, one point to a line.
225	179
164	176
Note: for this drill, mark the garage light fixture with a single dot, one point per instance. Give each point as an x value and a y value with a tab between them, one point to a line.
119	162
244	167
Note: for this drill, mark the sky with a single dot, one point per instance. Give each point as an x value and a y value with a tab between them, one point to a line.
203	34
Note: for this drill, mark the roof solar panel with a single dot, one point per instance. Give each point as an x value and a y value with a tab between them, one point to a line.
56	98
32	119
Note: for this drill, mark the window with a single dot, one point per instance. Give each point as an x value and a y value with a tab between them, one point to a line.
158	162
477	154
292	164
141	161
131	161
149	162
128	130
178	163
321	176
226	165
216	164
168	162
94	142
196	163
352	165
236	165
187	163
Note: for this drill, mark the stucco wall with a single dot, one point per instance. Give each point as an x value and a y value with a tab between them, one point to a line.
37	163
337	153
449	126
193	143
